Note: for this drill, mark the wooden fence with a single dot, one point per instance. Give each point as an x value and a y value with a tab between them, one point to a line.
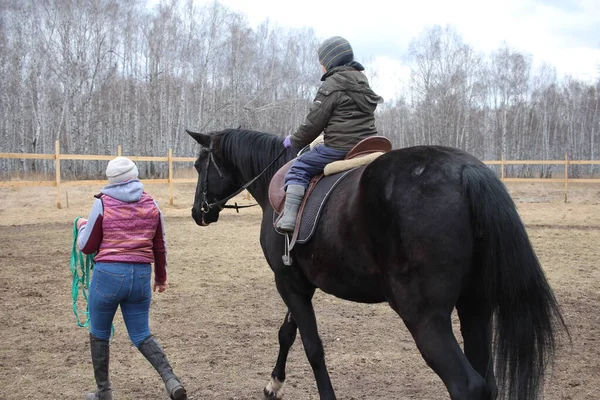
58	157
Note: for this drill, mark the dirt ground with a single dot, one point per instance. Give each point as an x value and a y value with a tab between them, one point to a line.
218	320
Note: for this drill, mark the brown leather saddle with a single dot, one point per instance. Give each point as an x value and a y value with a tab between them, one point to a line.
277	193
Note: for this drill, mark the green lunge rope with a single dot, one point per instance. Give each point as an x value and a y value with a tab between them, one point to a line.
81	266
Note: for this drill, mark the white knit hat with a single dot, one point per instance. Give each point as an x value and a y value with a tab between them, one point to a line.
121	169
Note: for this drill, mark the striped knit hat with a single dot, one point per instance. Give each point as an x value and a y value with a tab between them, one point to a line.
334	52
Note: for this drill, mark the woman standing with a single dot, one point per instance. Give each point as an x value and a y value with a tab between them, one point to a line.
126	229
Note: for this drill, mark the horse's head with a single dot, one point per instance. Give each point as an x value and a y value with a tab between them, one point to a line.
215	181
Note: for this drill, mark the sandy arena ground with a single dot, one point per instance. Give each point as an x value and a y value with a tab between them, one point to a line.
218	320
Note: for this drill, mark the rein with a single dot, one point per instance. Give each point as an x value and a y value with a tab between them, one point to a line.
81	265
206	206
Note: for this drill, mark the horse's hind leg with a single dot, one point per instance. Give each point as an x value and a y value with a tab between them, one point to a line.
438	346
476	329
431	327
287	336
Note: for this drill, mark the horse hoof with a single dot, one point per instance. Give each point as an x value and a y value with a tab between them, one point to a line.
268	395
273	391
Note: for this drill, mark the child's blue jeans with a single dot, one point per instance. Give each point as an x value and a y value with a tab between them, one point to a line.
311	164
120	284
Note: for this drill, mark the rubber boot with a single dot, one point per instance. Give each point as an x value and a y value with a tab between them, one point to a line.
100	360
151	349
293	199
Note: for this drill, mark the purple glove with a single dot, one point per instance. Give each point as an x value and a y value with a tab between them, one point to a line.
287	143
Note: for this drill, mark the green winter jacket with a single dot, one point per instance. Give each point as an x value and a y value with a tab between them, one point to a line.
343	110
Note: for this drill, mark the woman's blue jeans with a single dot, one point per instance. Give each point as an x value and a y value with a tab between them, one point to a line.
120	284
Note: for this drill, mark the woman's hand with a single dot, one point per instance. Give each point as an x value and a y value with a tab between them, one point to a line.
81	222
160	286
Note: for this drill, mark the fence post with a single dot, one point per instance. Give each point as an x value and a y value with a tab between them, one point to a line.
119	151
170	158
566	176
502	167
57	171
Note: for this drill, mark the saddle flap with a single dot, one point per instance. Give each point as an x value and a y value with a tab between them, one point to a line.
317	194
276	192
372	144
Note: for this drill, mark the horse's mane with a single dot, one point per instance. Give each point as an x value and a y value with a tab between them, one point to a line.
252	150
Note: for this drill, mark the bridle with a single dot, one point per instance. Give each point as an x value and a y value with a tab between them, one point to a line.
205	206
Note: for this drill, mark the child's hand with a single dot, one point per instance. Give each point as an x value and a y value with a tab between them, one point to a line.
81	222
160	286
287	143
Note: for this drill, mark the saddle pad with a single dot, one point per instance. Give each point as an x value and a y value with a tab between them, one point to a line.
314	205
343	165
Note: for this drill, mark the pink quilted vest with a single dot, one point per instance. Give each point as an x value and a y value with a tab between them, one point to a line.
128	230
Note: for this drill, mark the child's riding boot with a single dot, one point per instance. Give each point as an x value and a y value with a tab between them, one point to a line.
151	349
293	199
100	361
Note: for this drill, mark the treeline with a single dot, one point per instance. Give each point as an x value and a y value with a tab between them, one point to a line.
97	73
494	105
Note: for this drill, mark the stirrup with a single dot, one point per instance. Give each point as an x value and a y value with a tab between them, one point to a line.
287	259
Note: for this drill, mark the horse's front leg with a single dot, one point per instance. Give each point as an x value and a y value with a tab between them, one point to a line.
297	293
287	336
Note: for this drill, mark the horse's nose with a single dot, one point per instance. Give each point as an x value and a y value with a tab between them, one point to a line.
195	215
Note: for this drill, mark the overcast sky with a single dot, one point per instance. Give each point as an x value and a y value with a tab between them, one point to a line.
562	33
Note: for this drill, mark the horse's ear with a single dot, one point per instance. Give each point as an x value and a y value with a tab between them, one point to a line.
201	138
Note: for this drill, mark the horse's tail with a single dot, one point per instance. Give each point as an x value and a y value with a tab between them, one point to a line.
527	314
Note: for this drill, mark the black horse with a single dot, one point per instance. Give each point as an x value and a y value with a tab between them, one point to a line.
426	229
